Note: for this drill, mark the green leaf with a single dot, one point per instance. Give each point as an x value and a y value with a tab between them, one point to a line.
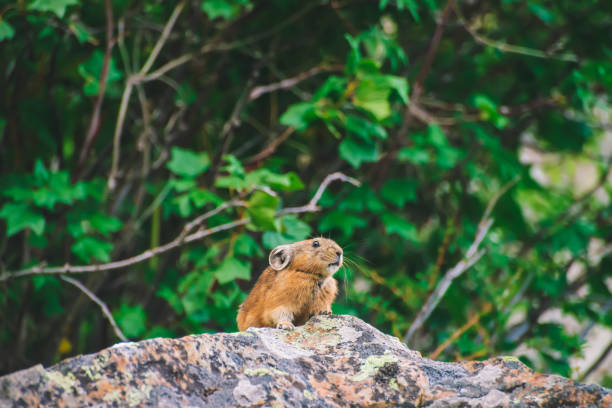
247	246
40	172
400	85
182	185
333	84
81	32
541	12
234	182
231	269
91	69
58	189
299	115
295	228
6	33
291	230
448	157
357	152
225	9
436	136
200	197
360	199
88	248
346	222
20	216
411	5
187	163
372	95
105	224
414	155
394	224
131	319
272	239
55	6
170	296
262	208
364	128
399	191
233	167
264	177
185	95
183	204
488	111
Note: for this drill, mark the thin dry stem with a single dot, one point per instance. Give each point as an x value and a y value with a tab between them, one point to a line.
99	302
472	256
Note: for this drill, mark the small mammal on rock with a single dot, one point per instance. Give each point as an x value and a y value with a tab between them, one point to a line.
298	284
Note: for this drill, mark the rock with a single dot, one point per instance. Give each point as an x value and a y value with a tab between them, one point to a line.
330	361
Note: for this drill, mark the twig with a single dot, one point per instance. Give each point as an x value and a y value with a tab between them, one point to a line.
170	65
431	52
162	38
472	256
602	358
94	124
271	148
99	302
471	322
504	47
180	240
291	82
125	100
312	204
190	226
446	240
417	88
133	80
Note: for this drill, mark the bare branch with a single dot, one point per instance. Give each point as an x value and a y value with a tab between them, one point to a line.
291	82
431	52
199	220
133	80
170	65
271	148
94	124
99	302
181	239
472	256
125	100
162	38
312	204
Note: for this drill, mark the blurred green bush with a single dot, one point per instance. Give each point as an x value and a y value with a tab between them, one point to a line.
123	121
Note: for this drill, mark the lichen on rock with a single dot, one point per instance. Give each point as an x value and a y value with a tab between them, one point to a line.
333	361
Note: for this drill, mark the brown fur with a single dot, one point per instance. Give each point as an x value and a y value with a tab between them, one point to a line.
297	285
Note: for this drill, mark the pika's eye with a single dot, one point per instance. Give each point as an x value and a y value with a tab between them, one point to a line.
316	244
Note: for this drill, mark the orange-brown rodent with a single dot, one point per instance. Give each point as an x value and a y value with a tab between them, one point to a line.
298	284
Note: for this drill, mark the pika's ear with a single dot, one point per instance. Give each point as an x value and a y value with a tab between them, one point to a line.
280	257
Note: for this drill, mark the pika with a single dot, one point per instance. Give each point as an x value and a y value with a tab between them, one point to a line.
298	284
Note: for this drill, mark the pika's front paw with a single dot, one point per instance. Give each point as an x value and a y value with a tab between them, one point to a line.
325	312
285	326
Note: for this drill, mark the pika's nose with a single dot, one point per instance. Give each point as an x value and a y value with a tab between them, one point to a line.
338	255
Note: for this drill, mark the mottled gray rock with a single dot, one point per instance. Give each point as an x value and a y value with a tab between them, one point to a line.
331	361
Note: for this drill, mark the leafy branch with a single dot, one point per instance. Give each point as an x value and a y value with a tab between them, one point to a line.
184	236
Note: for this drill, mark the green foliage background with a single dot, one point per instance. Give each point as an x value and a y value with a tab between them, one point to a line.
433	106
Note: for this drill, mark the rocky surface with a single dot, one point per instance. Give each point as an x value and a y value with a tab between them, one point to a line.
330	361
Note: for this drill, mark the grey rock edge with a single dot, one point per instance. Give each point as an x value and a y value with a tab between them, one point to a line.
331	361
